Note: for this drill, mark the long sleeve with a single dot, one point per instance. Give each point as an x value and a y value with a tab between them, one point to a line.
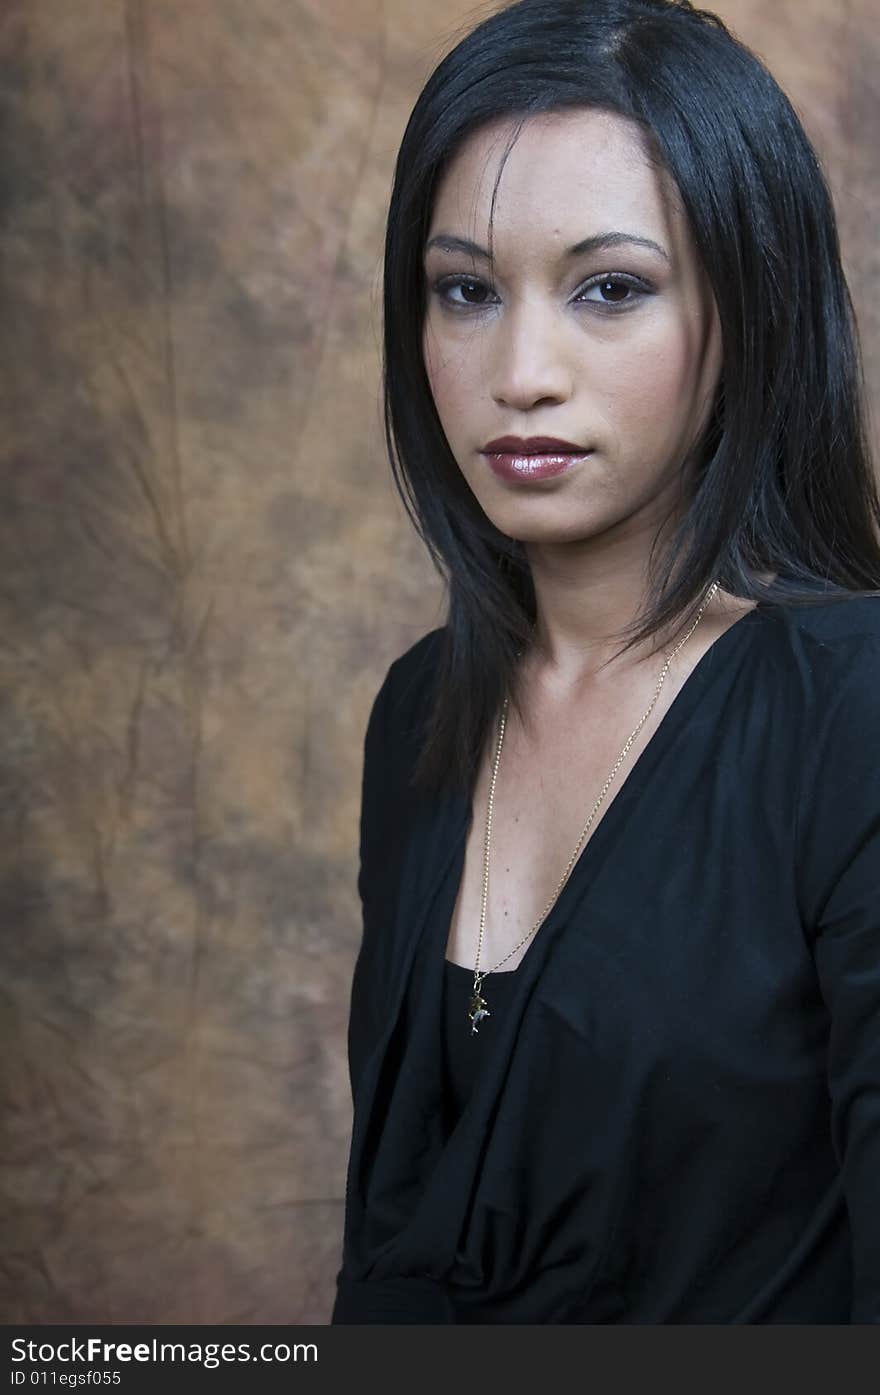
840	827
372	885
387	808
678	1119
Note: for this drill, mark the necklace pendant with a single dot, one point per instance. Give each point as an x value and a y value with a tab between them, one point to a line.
478	1010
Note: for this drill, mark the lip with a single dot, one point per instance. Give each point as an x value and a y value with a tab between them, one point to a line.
531	458
531	445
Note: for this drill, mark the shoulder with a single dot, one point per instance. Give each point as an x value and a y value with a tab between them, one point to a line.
826	622
828	655
833	649
402	704
809	699
408	683
826	649
420	657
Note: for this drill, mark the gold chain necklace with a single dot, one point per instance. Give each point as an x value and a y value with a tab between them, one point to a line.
478	1007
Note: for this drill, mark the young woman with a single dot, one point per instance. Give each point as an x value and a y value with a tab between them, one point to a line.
615	1021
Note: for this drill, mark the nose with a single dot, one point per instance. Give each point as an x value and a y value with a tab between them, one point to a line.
528	361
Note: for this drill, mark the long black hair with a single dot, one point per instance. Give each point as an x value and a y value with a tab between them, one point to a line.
782	485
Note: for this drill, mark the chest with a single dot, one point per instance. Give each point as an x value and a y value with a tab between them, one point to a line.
551	794
558	777
688	935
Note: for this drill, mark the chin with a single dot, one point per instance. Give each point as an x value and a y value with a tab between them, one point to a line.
524	530
545	517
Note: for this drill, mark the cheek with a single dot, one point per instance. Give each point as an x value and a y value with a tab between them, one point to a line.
434	365
448	379
652	387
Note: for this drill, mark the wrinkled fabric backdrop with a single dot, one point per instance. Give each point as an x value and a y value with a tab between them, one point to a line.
205	574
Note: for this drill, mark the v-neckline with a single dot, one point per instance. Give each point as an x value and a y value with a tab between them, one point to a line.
636	777
430	879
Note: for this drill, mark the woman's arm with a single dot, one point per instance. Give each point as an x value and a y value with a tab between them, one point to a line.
839	837
387	805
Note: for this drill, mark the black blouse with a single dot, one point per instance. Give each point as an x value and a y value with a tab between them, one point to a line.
464	1050
676	1117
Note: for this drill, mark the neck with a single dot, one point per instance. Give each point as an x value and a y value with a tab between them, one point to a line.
585	600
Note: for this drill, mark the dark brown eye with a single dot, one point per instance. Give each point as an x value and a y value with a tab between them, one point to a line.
613	291
474	293
618	290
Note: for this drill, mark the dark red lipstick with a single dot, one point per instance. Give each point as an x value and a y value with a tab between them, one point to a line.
532	457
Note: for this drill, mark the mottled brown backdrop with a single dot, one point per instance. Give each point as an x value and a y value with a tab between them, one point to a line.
203	576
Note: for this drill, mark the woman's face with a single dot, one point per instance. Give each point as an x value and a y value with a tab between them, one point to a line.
615	348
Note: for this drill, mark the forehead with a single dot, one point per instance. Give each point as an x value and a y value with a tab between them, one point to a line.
568	174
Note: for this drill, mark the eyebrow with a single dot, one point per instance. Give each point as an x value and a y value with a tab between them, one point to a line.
599	242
